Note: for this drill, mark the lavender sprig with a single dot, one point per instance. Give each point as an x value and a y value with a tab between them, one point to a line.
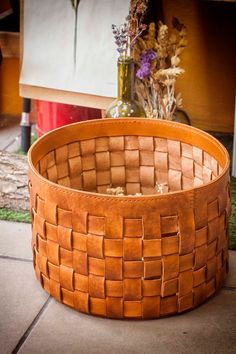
121	37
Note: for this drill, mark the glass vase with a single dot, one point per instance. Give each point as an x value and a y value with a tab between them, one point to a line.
181	116
125	105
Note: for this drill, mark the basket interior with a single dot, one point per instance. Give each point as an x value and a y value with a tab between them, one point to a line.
136	163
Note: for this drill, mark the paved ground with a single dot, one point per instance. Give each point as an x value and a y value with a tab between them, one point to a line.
10	133
33	323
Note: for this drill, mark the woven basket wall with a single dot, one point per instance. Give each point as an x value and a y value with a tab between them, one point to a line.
129	256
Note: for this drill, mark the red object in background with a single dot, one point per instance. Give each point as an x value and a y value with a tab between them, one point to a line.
5	8
51	115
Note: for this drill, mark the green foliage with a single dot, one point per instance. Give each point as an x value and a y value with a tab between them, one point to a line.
33	138
232	221
10	215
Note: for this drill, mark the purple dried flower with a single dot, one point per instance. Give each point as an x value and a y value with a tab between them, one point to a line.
144	70
148	56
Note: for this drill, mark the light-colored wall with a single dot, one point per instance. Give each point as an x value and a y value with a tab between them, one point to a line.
208	85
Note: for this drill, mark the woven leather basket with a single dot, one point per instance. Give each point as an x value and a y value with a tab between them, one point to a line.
129	256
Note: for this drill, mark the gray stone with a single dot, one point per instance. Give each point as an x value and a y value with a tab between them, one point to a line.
15	239
21	298
14	194
207	329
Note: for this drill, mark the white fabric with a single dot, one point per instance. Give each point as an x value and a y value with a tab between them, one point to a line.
48	59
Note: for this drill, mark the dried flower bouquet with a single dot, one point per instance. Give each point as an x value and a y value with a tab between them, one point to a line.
157	55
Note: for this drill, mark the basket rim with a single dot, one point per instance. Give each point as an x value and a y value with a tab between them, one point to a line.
108	121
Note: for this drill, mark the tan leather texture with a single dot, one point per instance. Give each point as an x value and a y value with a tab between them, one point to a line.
129	256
